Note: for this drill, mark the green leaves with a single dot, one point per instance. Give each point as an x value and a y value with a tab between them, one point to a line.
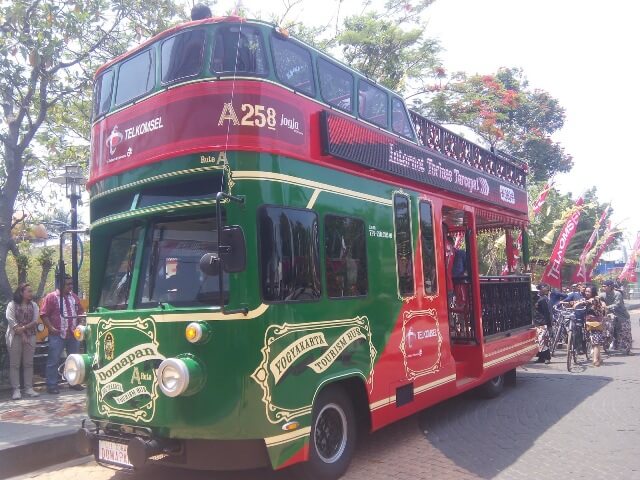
389	47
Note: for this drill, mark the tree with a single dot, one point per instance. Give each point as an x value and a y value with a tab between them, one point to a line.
506	113
46	261
390	47
48	53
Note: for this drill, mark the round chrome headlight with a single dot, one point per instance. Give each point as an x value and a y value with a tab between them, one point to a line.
75	369
180	376
173	377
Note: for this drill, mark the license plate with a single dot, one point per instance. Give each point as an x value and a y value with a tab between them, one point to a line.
113	452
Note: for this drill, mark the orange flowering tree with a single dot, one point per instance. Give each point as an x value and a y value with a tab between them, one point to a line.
505	111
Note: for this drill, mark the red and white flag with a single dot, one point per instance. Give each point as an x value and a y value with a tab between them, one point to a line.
629	271
552	273
580	274
537	205
608	237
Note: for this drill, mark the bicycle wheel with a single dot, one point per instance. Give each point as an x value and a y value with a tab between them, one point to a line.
569	350
587	345
556	339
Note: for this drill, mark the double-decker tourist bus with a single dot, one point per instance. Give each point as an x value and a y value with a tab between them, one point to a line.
282	256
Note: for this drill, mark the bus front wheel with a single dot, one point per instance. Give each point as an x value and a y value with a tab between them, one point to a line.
493	387
333	436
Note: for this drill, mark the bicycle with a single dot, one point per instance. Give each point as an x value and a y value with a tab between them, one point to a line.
572	320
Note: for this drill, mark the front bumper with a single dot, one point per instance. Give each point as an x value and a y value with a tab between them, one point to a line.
143	448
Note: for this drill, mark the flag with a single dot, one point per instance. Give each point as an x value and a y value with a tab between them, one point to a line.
629	271
552	273
580	274
537	205
608	237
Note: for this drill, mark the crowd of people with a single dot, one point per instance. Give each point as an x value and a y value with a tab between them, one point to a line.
606	321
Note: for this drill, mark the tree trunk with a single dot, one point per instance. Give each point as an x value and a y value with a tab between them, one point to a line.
8	194
46	269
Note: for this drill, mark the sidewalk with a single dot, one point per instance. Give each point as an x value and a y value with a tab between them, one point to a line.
37	432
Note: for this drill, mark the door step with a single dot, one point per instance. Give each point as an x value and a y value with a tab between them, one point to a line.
461	382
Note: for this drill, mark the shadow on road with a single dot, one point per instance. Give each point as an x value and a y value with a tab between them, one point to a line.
486	436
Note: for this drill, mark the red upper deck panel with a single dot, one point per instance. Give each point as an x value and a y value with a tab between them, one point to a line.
259	116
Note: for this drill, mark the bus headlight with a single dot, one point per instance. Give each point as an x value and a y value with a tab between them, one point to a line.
197	332
75	368
180	376
81	332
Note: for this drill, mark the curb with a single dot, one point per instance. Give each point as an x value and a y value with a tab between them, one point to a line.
36	453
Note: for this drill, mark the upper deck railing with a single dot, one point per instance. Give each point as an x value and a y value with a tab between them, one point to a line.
445	142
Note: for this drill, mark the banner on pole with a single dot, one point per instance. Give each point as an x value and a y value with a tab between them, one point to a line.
552	273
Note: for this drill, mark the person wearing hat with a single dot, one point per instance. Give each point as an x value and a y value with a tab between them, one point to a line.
542	320
615	306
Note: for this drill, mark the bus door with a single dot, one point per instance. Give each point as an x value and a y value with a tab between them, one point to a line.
461	279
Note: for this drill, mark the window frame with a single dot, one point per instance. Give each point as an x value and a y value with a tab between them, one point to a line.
202	55
143	266
395	244
261	208
366	252
152	50
387	104
212	45
407	118
314	88
353	85
435	255
111	96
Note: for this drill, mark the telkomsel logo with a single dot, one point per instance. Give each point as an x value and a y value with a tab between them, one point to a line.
114	139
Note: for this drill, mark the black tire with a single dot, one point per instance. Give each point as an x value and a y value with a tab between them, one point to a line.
493	387
570	350
556	339
333	437
510	378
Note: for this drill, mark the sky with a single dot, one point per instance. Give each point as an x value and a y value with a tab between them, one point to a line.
583	52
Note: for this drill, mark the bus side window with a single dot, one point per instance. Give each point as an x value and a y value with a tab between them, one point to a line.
293	65
136	77
400	120
182	55
238	49
428	249
404	247
102	94
345	256
289	254
336	85
373	104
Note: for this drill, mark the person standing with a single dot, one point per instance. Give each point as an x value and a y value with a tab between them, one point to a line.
61	329
22	316
543	320
595	323
615	305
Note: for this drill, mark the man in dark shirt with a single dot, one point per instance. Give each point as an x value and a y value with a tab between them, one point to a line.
615	305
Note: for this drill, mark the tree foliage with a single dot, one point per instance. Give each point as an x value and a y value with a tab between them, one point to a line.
48	53
507	113
390	47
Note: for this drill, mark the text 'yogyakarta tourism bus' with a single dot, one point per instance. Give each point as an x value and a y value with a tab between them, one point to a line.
273	261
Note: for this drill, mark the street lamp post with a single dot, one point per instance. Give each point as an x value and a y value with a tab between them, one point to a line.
73	180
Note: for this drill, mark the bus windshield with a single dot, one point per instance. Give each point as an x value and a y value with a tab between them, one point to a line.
171	272
119	268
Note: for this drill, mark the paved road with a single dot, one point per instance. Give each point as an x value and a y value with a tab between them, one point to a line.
584	424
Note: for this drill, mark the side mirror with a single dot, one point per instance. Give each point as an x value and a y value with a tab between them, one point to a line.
210	264
233	249
232	254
